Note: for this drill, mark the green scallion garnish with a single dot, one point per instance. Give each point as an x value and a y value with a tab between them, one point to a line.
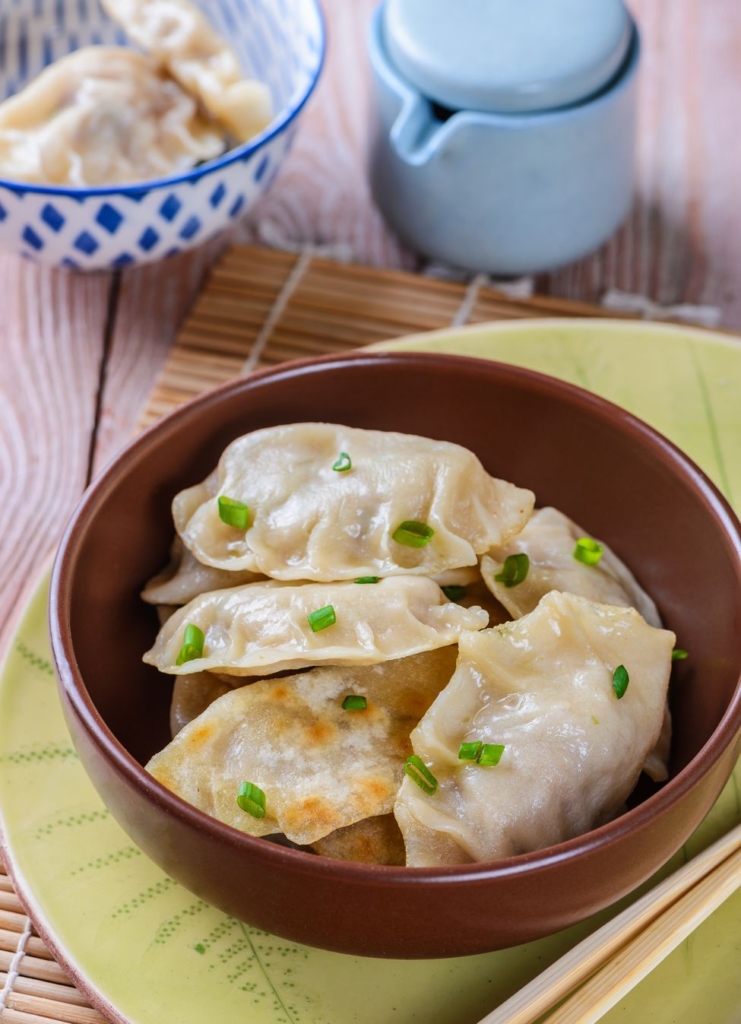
620	680
233	512
193	641
322	618
491	754
354	702
588	551
368	579
514	570
343	463
418	772
455	592
470	751
251	799
413	534
679	655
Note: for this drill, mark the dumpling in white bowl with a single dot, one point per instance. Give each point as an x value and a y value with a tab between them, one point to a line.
177	34
544	688
270	627
103	115
328	502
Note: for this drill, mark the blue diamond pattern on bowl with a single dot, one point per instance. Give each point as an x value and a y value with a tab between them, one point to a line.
148	240
52	217
172	252
237	206
192	226
170	208
96	228
30	236
217	195
109	218
86	243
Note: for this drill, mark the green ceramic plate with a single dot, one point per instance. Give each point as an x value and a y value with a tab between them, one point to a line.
149	952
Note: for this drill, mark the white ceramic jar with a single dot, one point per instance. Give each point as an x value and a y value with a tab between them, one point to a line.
505	129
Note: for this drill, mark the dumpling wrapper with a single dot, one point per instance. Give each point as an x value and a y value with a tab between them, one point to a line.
263	627
549	539
542	686
321	768
311	522
103	115
476	593
183	40
185	578
193	693
371	841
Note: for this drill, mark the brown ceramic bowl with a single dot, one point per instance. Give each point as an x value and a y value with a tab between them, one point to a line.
610	472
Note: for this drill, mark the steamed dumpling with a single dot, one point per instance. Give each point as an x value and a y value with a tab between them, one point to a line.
321	767
102	116
312	522
177	34
549	539
185	578
542	687
263	627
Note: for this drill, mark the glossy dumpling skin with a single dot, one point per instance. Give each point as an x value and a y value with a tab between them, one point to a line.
263	627
321	768
549	539
177	34
185	578
193	693
311	522
103	116
542	686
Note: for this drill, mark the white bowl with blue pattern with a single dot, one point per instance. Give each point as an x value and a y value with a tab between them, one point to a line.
281	42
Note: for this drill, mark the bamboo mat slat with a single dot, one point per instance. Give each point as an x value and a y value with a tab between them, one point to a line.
258	308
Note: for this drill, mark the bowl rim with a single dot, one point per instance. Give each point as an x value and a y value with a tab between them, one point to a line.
137	189
70	680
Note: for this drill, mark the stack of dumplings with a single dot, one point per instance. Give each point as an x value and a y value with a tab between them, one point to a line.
106	115
383	654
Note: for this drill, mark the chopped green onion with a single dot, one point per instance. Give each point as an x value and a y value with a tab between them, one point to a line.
620	680
193	641
233	512
470	751
679	655
413	534
455	592
514	570
491	754
595	719
368	579
354	702
251	799
322	618
588	551
343	463
418	772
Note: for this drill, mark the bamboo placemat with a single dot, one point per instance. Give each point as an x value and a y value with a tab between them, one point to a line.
259	307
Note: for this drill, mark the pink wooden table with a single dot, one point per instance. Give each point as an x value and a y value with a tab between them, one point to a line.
79	354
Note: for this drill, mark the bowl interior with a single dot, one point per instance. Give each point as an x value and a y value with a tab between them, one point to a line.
277	41
619	480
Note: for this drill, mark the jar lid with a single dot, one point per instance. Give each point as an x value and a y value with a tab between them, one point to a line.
507	56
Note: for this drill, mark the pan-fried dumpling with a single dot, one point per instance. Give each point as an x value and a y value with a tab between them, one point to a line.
193	693
312	520
180	37
184	578
264	627
371	841
549	539
103	116
321	767
542	686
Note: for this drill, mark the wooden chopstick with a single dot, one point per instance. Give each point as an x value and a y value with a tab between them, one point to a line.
718	872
